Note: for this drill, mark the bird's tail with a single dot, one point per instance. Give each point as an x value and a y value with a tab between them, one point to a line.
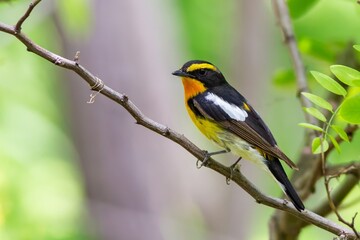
278	172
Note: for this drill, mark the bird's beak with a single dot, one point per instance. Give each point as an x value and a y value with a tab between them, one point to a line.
181	73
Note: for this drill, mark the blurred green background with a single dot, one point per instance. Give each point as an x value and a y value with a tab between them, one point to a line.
73	170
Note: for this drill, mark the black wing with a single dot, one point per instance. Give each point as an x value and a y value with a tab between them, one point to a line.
252	129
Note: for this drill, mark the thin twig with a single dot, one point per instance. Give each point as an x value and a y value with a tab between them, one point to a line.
148	123
77	57
283	18
348	168
323	209
327	179
337	195
335	210
32	5
342	171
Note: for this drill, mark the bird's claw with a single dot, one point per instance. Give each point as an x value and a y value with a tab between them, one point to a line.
204	162
228	179
200	164
233	168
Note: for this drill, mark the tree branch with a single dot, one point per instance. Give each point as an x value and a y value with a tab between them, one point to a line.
348	168
143	120
282	225
308	169
331	202
338	195
26	15
283	18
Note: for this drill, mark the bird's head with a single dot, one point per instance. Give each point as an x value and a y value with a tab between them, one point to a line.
201	71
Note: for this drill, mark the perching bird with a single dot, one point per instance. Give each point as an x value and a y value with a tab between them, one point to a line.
223	115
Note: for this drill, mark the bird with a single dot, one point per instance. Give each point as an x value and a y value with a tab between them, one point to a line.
224	116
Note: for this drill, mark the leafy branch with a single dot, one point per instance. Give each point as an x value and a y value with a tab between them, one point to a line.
347	110
100	88
283	225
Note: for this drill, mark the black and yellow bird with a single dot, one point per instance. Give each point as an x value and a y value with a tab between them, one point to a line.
223	115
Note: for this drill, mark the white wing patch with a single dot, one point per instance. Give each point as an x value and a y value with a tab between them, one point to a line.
232	110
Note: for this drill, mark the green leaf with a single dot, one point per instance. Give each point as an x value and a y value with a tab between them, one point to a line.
316	113
318	101
311	126
350	109
298	8
356	83
357	47
340	131
328	83
347	75
319	145
335	143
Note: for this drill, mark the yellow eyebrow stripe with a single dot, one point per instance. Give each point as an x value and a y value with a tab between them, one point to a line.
197	66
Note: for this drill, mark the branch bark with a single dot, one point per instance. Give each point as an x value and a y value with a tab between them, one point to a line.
26	15
283	18
141	119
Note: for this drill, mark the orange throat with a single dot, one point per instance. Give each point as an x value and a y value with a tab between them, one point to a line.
192	87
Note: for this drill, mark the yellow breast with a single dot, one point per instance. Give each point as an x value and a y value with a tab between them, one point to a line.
209	128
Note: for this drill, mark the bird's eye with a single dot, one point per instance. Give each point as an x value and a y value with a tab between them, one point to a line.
202	72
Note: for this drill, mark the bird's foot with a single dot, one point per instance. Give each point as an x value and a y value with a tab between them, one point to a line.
233	168
205	161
